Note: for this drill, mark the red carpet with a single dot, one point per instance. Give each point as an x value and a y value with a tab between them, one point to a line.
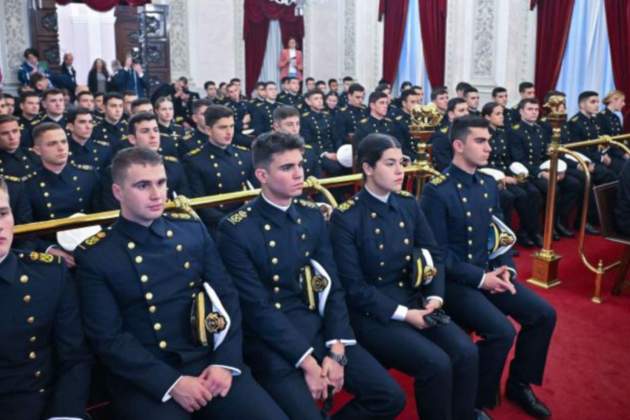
588	369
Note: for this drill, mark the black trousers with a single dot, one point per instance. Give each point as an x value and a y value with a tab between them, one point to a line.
526	199
485	313
376	393
29	406
568	193
442	360
245	400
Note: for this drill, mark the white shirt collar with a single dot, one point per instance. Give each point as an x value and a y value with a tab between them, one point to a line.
271	203
382	198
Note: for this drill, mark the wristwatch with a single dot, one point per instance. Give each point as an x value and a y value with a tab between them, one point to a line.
339	358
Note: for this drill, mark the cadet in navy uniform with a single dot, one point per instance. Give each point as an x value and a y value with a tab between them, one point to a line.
298	337
144	132
291	95
262	112
242	118
29	114
440	140
349	115
218	166
378	237
408	100
112	128
198	136
482	287
528	145
513	194
84	148
160	364
286	119
14	160
166	123
500	96
377	120
44	359
610	124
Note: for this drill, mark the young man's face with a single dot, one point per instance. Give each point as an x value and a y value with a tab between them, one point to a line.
10	105
98	103
310	85
165	112
3	107
529	113
590	105
388	172
6	224
410	102
52	147
476	148
147	134
211	91
142	108
501	98
142	193
460	110
199	118
357	98
284	178
127	100
294	86
221	132
9	136
233	93
114	109
54	105
528	93
30	106
316	102
289	125
41	84
441	102
261	92
379	107
82	126
333	86
271	92
332	101
87	101
496	117
472	99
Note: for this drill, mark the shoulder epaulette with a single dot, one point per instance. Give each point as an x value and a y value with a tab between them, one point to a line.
194	152
41	257
543	119
438	179
307	203
187	136
574	119
238	146
305	114
93	240
405	194
444	129
170	158
364	120
516	126
259	104
387	119
346	205
35	121
82	166
102	143
12	178
308	146
237	217
398	118
178	215
343	108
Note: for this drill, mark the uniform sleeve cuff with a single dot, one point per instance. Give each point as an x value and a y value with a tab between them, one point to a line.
400	313
344	341
513	271
483	279
235	371
438	298
304	356
167	396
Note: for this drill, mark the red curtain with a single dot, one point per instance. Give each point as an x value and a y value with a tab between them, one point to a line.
395	13
618	21
105	5
258	13
554	20
433	27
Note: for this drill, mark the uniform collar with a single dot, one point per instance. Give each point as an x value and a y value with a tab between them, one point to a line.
140	233
229	150
275	214
64	175
463	176
8	268
376	204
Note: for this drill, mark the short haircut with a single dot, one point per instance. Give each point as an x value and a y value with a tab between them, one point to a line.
347	79
372	147
283	80
462	86
129	93
215	112
139	102
137	119
283	112
437	91
111	95
8	96
28	94
497	90
461	126
83	93
407	93
320	82
612	95
355	87
376	95
52	91
523	102
207	84
331	81
72	115
133	156
523	86
309	79
40	129
268	144
31	51
405	85
470	89
200	103
159	101
586	95
4	119
183	79
235	80
313	92
453	102
269	84
488	108
99	94
382	87
260	85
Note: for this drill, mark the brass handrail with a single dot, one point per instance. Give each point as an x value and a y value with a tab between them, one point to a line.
106	217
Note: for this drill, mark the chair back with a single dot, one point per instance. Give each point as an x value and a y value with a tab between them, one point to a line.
606	200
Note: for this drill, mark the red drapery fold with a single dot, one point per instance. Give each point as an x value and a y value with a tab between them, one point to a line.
258	13
554	21
105	5
618	22
395	13
433	27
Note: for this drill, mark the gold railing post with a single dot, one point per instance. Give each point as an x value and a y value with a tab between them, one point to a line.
546	261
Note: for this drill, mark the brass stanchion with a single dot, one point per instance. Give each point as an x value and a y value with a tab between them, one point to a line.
424	120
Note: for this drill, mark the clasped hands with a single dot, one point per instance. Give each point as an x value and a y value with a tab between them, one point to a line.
194	392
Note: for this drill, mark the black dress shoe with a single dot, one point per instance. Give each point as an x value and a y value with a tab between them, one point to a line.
564	231
591	230
539	241
481	415
523	395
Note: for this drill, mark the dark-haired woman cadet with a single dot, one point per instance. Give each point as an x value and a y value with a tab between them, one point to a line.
392	270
